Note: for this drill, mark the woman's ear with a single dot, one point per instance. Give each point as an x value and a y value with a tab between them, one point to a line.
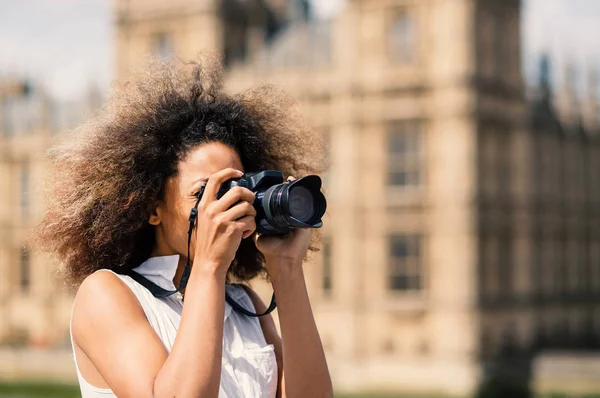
156	213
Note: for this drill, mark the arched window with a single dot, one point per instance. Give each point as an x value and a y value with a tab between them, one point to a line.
24	271
405	272
162	45
24	191
403	37
405	154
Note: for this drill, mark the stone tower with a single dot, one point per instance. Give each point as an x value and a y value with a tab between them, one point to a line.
233	29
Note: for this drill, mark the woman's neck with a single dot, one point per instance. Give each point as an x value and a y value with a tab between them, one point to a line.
161	249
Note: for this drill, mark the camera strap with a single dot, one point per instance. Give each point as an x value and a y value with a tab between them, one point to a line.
160	292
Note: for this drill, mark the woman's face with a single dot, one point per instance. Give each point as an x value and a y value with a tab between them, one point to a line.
172	212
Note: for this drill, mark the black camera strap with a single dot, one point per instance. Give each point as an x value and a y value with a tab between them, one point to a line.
160	292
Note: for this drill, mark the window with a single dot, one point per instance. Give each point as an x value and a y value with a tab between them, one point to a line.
505	264
538	166
536	262
551	253
235	43
486	344
403	38
572	268
489	162
490	266
327	174
496	41
327	268
24	271
496	162
405	267
485	40
594	264
575	166
404	155
24	191
504	162
497	56
577	266
594	166
162	45
512	45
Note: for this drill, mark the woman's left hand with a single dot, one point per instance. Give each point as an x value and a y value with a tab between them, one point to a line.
284	253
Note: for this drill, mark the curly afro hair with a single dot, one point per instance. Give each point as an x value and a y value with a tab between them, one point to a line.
112	169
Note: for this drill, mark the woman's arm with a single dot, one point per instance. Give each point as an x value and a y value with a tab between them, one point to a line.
193	368
304	353
305	367
306	372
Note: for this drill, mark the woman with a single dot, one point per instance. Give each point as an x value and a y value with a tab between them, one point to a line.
120	201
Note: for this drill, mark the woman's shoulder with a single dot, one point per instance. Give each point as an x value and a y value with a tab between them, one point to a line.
102	284
103	297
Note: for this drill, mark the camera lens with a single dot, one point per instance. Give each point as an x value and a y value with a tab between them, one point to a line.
301	204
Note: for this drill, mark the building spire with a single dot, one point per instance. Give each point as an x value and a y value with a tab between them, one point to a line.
544	72
544	79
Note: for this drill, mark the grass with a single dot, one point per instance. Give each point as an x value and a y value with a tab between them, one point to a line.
37	389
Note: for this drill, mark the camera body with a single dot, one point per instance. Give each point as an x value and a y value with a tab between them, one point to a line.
280	206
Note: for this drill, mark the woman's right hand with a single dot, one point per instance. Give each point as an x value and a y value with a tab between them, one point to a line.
222	224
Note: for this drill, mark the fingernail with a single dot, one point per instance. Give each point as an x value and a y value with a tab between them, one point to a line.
240	172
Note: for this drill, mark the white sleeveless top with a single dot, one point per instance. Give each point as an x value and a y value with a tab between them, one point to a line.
249	367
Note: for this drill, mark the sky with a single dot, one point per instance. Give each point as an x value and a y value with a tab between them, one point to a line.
67	44
568	30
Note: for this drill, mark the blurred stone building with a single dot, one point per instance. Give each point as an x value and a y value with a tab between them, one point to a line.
463	214
34	309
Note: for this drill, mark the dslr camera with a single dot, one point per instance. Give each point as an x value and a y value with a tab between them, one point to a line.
281	207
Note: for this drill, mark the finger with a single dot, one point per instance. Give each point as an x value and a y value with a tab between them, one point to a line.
239	211
215	181
247	225
233	196
291	178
